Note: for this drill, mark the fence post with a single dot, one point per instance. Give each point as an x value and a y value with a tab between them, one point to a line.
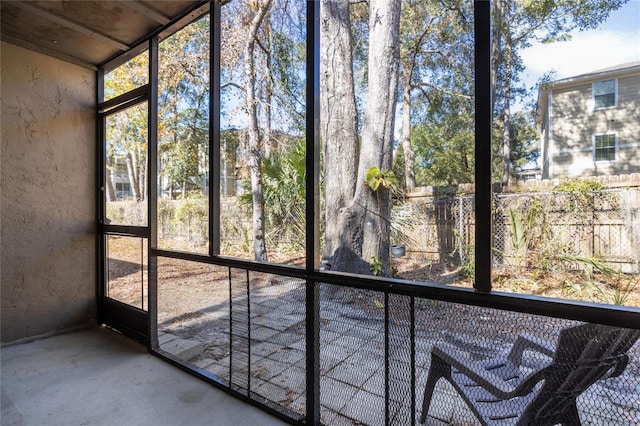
460	230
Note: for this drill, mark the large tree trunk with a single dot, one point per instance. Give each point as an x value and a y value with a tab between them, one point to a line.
496	52
268	92
409	156
132	172
378	128
259	245
506	139
143	177
111	192
363	224
339	120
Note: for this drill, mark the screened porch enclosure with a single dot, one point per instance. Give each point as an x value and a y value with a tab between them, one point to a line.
249	190
254	283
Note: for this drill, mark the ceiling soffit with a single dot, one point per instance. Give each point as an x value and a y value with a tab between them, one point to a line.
89	33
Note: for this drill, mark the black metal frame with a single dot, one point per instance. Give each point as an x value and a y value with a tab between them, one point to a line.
129	320
312	297
214	133
152	191
484	222
481	295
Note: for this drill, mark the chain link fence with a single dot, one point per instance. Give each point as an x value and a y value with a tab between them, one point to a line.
601	224
555	232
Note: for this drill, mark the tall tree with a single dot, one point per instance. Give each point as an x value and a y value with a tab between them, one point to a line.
261	7
435	40
126	130
431	46
262	82
523	138
411	45
339	118
183	113
444	142
357	216
126	136
508	75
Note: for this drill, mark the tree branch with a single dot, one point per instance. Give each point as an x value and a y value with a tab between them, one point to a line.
231	84
422	86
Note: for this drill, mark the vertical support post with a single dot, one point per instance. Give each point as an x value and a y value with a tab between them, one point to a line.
312	124
152	194
248	334
386	356
142	273
312	200
230	328
412	336
593	227
312	331
484	115
100	202
460	229
214	129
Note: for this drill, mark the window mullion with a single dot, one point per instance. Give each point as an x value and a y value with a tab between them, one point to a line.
152	194
483	118
214	129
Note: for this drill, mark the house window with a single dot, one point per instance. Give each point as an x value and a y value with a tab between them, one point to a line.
123	187
605	147
604	94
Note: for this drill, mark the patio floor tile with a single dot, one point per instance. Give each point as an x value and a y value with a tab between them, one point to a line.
335	394
366	408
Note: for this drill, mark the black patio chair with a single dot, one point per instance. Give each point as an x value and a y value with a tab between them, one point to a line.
501	391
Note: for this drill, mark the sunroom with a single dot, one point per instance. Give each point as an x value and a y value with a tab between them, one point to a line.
312	206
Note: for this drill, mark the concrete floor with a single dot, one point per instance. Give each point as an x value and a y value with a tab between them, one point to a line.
98	377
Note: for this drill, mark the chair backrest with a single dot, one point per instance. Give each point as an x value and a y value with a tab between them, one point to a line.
584	355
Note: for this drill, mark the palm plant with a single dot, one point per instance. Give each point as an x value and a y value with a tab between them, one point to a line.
284	190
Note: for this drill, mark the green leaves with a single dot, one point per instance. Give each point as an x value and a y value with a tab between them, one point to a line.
444	150
377	269
375	178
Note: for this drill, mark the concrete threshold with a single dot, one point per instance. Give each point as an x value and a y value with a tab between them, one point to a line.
98	377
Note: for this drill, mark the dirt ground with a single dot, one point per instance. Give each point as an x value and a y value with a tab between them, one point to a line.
620	289
128	281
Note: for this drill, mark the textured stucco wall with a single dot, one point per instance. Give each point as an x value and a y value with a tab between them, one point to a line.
47	194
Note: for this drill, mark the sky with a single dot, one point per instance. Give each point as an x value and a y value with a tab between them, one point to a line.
615	42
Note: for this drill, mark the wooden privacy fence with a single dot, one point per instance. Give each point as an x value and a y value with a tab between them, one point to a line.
528	228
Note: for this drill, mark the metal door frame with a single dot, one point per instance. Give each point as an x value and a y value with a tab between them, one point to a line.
127	319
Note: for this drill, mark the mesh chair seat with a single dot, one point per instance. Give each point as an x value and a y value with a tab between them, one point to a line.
502	392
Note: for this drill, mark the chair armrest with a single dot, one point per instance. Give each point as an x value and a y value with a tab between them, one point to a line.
619	367
463	363
528	342
454	358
